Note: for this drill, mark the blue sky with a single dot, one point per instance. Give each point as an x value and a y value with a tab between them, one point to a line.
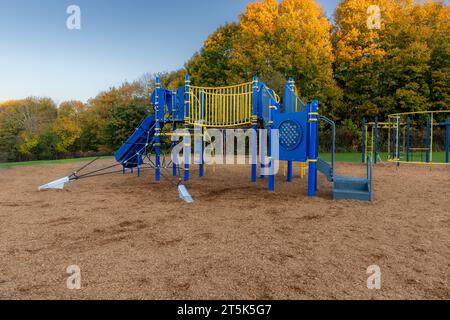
119	40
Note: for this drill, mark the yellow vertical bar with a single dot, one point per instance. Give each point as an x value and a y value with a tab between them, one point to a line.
227	98
372	142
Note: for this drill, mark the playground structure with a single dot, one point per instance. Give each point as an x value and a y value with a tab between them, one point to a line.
251	105
421	137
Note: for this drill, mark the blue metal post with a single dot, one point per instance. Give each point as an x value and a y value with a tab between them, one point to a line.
363	157
408	138
428	139
291	83
174	129
262	152
271	160
375	140
398	137
157	132
138	158
254	146
394	139
447	139
313	115
187	147
289	171
202	112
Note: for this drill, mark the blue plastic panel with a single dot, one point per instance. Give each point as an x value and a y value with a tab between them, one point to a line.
162	103
293	135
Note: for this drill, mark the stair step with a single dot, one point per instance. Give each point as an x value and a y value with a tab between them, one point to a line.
350	183
351	194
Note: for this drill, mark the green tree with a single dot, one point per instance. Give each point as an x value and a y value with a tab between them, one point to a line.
113	115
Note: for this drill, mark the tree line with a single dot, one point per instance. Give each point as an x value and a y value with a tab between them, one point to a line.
354	70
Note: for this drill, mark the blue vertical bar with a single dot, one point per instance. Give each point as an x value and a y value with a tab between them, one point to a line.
187	149
313	112
255	87
157	132
408	138
399	131
363	158
174	156
394	139
289	171
428	138
447	140
271	180
202	112
291	100
138	158
262	151
375	141
174	129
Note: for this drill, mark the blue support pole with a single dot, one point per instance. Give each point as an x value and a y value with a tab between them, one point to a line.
271	179
447	140
394	138
291	84
408	139
157	132
398	137
202	112
174	156
254	146
289	171
174	129
138	158
123	169
313	116
375	140
363	148
428	139
187	148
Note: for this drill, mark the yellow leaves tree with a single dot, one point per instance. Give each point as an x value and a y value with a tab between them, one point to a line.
387	68
288	39
68	125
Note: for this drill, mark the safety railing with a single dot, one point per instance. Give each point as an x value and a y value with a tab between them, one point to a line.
333	141
221	106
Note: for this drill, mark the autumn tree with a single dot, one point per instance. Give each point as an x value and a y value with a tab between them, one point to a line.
400	65
273	40
113	115
68	126
22	125
211	66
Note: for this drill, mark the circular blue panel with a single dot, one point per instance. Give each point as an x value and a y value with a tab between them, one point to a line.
291	134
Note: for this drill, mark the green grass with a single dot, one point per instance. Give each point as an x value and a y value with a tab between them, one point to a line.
354	157
8	165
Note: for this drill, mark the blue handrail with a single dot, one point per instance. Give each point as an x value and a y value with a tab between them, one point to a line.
333	138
